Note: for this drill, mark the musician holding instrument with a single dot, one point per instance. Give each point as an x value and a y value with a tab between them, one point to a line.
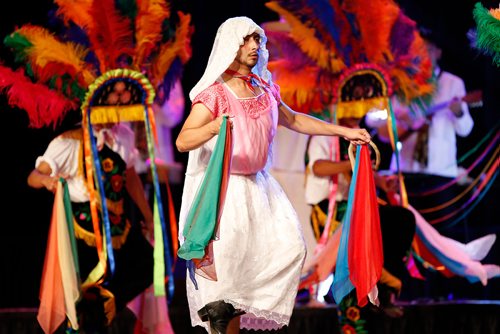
428	143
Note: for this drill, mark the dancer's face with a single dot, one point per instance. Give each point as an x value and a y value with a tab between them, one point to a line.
248	54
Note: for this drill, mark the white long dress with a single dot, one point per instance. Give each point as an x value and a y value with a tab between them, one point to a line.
261	250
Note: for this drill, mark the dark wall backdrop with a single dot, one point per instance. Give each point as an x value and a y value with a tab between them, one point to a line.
25	213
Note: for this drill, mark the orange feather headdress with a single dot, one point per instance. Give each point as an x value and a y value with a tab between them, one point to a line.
109	59
330	37
95	37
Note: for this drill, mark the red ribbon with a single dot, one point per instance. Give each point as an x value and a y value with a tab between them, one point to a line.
247	78
365	251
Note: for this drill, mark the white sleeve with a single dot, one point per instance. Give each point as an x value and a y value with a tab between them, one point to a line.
317	187
62	155
319	149
464	124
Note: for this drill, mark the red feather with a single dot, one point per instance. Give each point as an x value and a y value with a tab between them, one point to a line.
148	27
55	69
110	35
44	106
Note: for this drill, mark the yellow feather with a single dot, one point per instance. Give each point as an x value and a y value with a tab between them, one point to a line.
326	57
162	62
180	47
183	37
46	48
495	12
407	87
300	89
76	11
375	19
148	27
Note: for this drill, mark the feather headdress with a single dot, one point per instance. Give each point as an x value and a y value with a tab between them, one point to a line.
94	38
332	36
109	59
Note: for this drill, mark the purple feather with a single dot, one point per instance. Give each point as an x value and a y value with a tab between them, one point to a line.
402	35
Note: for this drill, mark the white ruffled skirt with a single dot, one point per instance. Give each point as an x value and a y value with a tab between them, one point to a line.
259	255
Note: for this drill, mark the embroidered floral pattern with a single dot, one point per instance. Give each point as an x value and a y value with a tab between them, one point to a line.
348	329
117	182
113	178
214	99
254	107
352	313
114	219
350	317
107	165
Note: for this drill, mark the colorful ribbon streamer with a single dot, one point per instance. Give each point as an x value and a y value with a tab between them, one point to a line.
60	286
204	216
360	257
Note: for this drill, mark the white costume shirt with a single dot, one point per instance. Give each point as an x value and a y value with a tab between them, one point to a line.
64	153
318	187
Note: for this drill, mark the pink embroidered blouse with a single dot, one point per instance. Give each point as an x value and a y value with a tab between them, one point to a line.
255	120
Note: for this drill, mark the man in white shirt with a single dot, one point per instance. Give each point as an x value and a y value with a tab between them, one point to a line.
428	138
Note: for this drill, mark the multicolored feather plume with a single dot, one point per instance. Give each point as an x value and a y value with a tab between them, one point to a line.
336	35
97	36
488	31
180	48
148	27
45	49
306	37
44	106
110	35
77	11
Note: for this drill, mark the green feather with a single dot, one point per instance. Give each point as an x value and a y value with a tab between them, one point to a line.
19	45
127	8
488	33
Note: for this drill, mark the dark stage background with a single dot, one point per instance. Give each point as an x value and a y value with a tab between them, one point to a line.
26	212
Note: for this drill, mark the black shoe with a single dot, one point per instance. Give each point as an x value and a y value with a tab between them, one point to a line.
219	313
91	313
387	297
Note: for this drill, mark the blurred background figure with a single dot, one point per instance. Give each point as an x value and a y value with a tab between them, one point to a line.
327	191
100	62
169	112
428	133
133	255
288	162
397	223
288	168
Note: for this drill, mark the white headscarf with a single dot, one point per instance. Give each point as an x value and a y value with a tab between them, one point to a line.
230	36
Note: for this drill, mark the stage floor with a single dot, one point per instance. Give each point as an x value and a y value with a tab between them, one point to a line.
454	317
